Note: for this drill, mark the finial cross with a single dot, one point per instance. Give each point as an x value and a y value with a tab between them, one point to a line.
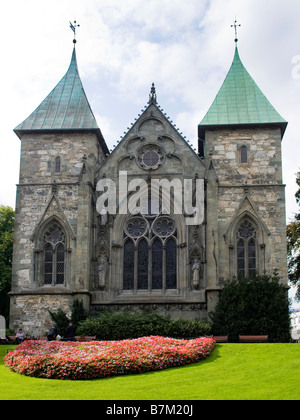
235	26
73	26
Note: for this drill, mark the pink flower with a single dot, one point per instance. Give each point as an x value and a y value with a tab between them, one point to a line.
77	360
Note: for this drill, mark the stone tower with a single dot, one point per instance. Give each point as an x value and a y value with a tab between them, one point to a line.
65	248
241	135
61	148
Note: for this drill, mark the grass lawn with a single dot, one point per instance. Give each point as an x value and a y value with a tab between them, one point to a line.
231	372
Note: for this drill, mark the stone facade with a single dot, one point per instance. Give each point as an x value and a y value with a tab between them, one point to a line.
252	190
64	249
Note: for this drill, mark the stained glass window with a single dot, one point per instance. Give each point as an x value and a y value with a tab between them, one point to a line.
157	263
128	270
164	227
60	264
48	264
252	258
155	237
246	250
241	259
54	263
143	265
150	158
171	282
137	227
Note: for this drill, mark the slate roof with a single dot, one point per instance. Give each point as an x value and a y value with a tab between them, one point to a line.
65	108
240	102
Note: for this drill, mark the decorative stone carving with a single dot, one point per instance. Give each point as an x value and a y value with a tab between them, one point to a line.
102	272
196	274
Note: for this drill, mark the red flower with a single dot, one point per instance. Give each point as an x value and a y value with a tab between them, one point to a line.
77	360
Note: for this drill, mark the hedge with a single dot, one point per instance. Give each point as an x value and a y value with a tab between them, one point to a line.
125	325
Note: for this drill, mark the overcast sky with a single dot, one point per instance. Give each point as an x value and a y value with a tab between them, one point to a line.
185	46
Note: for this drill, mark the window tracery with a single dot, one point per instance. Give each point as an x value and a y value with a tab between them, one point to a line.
150	253
246	250
54	261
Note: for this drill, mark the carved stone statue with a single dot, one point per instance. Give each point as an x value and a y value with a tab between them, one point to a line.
102	273
196	274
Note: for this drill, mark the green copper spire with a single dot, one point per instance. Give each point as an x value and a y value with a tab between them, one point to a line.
240	102
66	107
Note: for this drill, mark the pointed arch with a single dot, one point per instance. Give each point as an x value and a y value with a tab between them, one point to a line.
247	256
246	209
59	216
52	253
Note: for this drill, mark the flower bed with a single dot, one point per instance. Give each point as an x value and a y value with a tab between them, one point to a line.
100	359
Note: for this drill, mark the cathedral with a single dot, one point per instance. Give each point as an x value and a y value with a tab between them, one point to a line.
134	250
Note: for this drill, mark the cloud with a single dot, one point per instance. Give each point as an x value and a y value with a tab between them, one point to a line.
185	47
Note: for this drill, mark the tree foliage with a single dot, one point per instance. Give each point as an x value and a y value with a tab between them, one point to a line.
7	218
293	240
256	306
61	319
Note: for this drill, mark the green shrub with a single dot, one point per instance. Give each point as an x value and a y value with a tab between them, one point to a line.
252	307
61	321
124	325
78	313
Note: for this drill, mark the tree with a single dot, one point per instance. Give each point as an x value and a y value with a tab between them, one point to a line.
7	218
62	321
253	306
78	312
293	239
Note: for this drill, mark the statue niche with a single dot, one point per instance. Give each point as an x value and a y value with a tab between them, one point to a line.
102	272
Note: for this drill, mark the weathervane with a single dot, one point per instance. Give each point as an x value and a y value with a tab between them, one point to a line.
73	27
235	26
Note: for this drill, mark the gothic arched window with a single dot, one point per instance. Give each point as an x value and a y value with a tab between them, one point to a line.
54	249
150	253
246	250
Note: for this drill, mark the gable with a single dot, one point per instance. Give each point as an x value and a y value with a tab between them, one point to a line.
153	146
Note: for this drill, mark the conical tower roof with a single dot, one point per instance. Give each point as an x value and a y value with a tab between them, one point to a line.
240	102
66	108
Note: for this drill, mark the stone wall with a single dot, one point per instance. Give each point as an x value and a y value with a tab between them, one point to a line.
255	189
42	196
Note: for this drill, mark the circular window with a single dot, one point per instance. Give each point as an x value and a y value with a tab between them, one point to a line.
164	227
136	227
151	158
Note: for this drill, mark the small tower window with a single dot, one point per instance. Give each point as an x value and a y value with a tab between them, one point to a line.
244	154
57	165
